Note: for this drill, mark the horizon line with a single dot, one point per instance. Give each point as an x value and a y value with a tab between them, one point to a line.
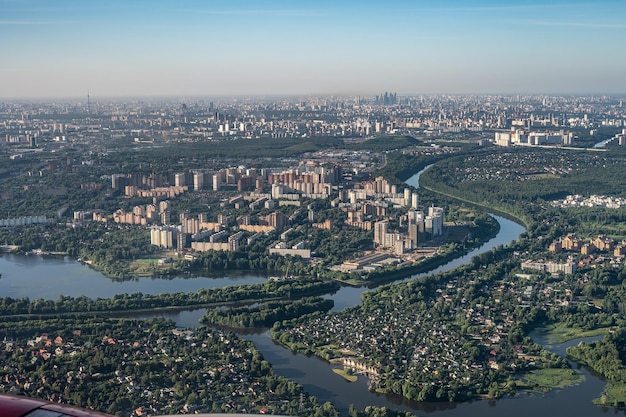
295	95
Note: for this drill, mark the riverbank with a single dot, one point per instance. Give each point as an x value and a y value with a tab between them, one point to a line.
614	393
390	275
605	356
269	290
493	208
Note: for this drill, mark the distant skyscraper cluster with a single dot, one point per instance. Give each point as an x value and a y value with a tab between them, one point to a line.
386	99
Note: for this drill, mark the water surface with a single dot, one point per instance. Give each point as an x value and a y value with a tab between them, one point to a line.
48	277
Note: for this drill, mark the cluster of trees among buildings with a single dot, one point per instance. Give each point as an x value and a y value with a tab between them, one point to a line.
521	181
120	366
126	367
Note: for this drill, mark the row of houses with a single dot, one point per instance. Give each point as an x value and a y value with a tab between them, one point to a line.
601	243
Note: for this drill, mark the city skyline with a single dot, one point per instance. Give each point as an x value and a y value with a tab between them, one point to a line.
67	48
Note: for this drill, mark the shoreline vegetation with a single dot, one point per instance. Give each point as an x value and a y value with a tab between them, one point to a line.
270	291
605	356
560	333
544	380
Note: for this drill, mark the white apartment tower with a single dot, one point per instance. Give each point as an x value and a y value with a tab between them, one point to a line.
415	200
179	179
217	181
198	181
380	232
433	223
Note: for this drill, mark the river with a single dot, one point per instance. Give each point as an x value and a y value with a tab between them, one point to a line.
43	277
317	378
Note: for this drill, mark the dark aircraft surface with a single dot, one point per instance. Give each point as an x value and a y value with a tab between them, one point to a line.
14	406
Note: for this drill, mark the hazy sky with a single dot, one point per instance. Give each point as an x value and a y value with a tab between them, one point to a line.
62	48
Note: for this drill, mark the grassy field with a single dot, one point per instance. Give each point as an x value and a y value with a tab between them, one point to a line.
546	379
147	267
613	230
613	395
561	333
348	377
146	261
541	176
